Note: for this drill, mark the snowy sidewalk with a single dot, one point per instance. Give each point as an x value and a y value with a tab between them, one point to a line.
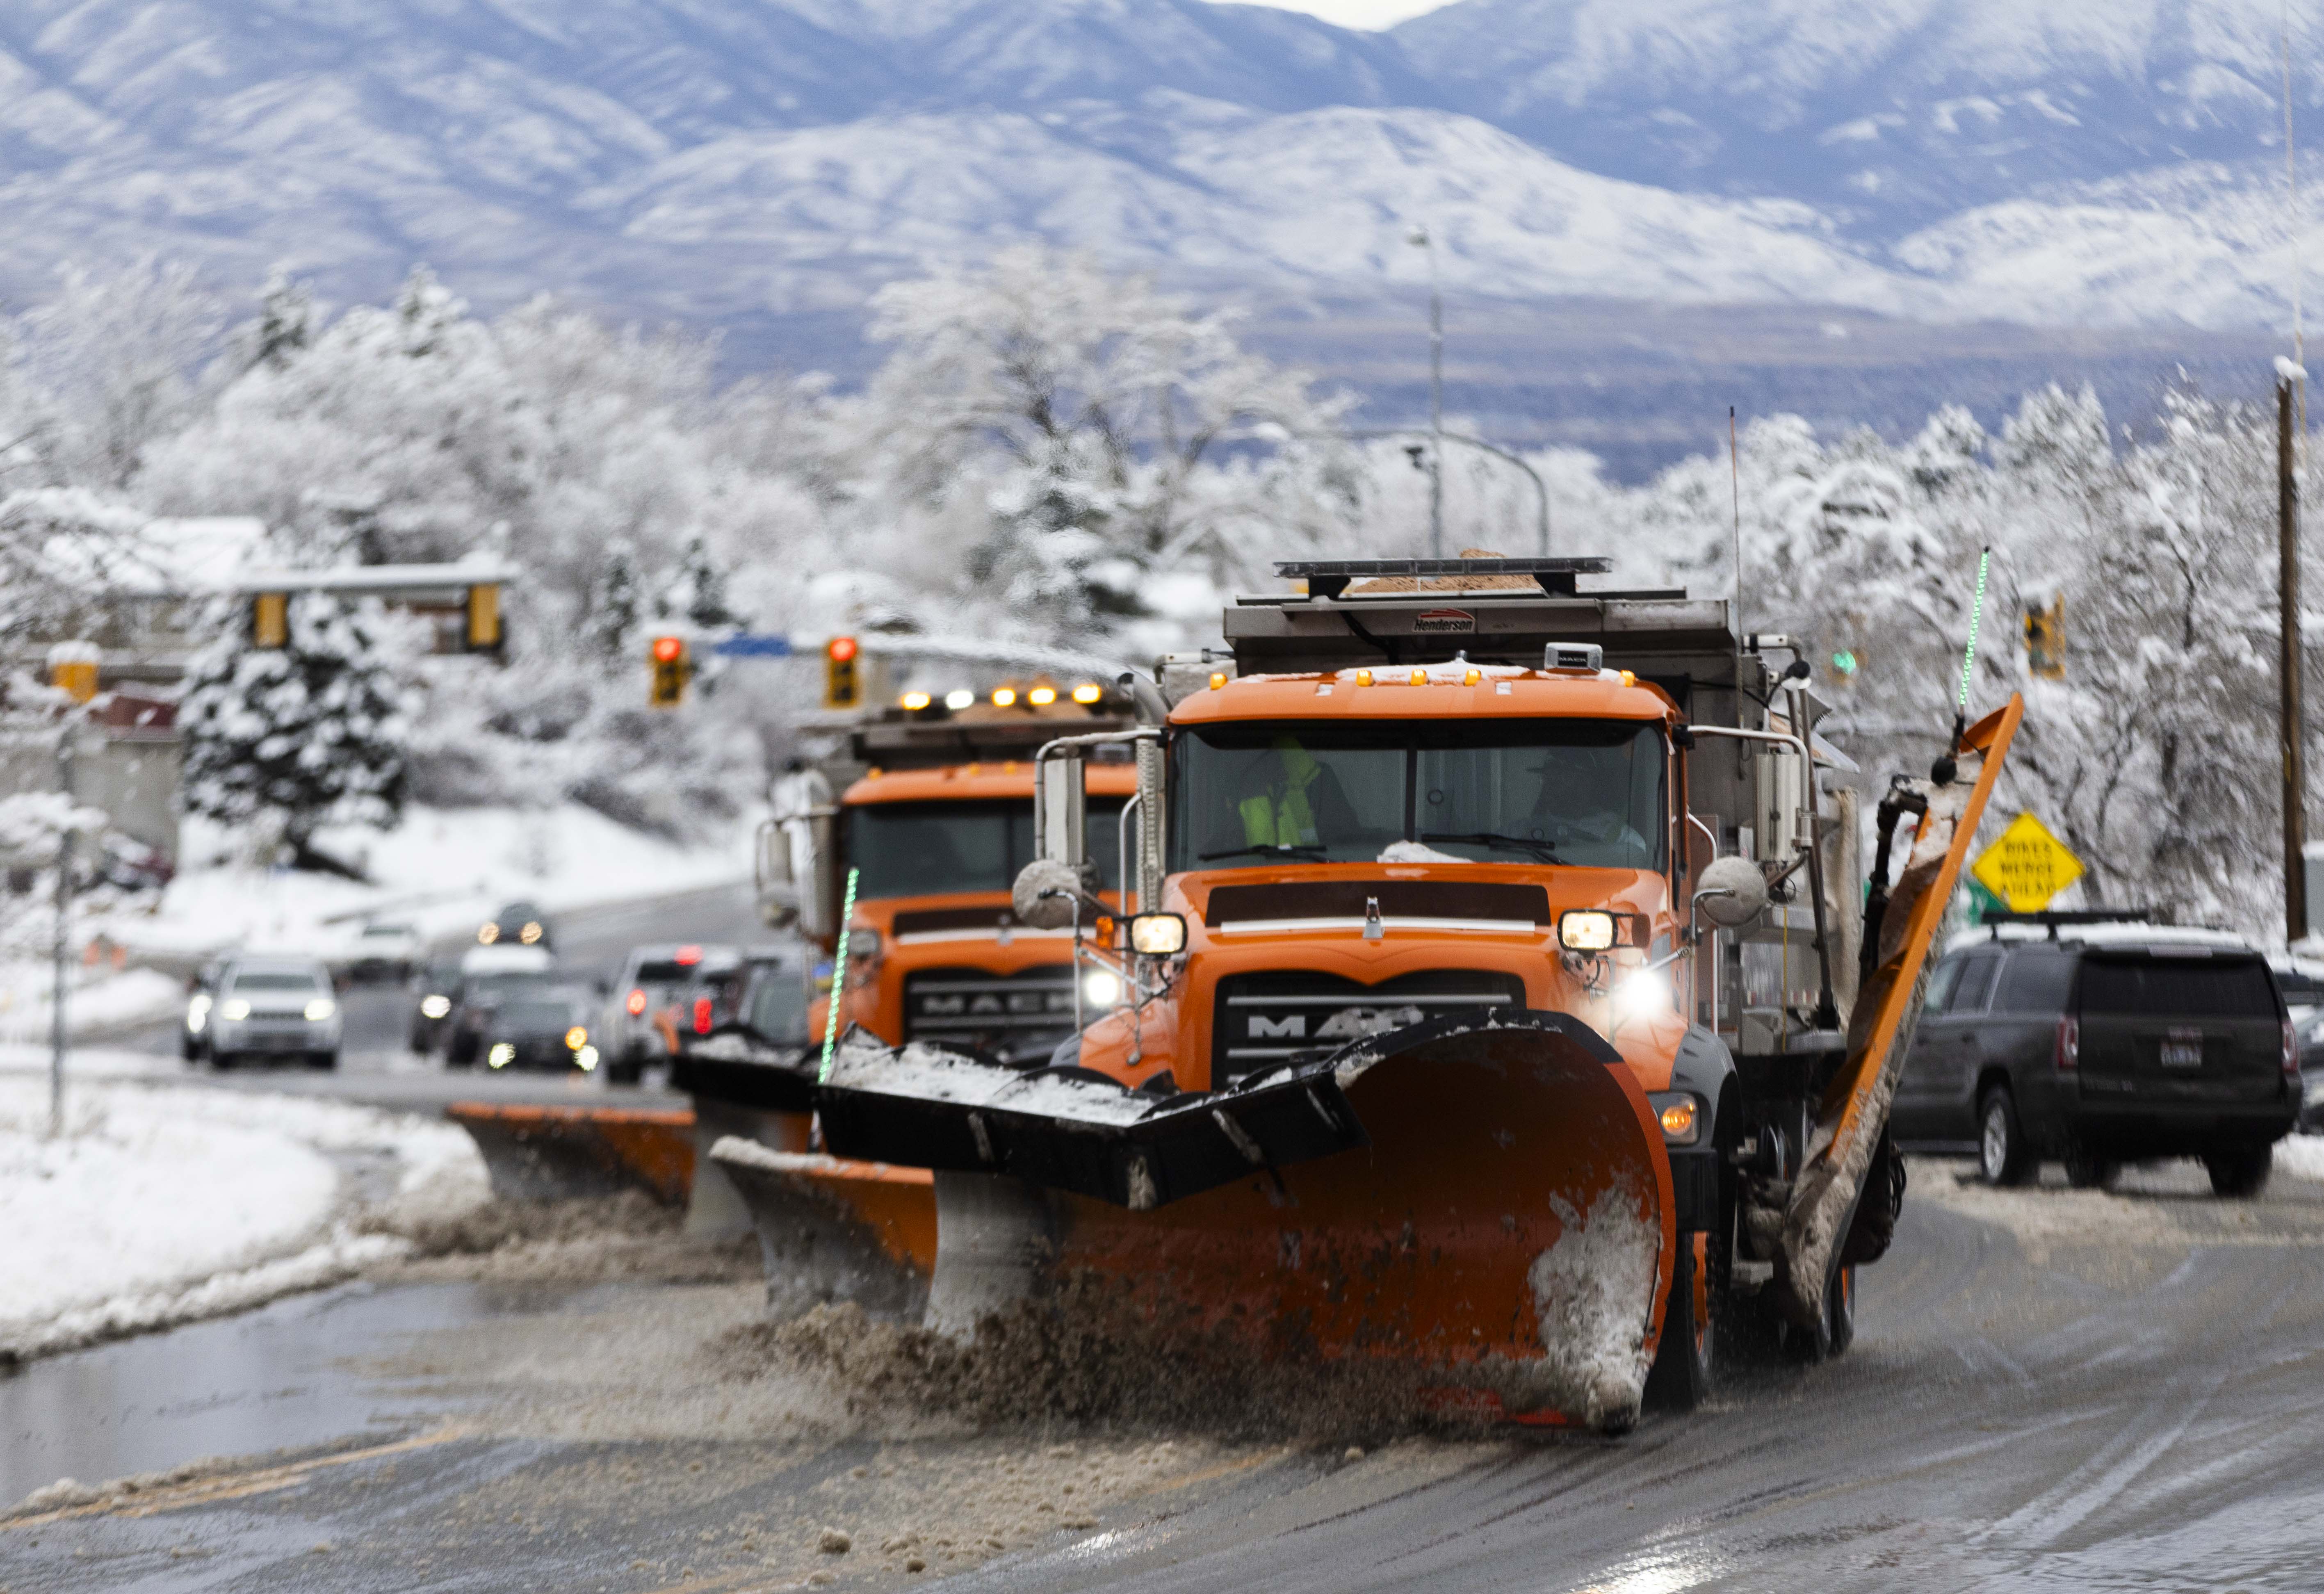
165	1204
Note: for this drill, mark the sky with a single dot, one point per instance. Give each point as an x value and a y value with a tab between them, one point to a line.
1358	14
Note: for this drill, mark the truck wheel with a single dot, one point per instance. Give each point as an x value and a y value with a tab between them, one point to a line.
1686	1361
323	1059
222	1061
2084	1171
2239	1172
2002	1154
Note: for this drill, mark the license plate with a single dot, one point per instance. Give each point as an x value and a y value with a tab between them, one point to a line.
2183	1049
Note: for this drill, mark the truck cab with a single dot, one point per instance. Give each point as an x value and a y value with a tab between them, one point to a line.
928	805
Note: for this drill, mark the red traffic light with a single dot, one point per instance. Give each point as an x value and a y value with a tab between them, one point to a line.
841	649
667	650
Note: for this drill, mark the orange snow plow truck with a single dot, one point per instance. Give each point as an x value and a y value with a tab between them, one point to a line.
1502	1004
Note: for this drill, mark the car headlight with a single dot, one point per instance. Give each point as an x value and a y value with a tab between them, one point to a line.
501	1055
576	1038
435	1007
1101	988
236	1009
321	1008
197	1014
587	1058
488	934
1680	1116
529	934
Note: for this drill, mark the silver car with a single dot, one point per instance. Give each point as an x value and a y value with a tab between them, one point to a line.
273	1007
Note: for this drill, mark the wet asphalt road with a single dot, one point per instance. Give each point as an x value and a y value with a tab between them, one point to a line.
2081	1393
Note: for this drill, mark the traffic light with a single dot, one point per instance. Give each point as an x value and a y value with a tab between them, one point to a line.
2045	640
484	617
270	620
842	689
672	669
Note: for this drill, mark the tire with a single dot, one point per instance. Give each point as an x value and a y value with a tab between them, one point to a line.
628	1070
2086	1171
2240	1172
323	1059
2003	1156
222	1061
1836	1332
1686	1361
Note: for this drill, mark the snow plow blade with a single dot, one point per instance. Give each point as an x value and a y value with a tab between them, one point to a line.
1820	1211
832	1229
1483	1210
747	1089
548	1153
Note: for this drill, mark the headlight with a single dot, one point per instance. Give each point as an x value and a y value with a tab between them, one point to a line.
1158	934
488	934
587	1058
501	1055
1644	992
321	1008
1101	988
236	1009
1680	1116
435	1007
576	1038
197	1014
1586	929
529	934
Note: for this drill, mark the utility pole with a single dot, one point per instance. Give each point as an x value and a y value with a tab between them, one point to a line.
2296	771
57	1024
1425	240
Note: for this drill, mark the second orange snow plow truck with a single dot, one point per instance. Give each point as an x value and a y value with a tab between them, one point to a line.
1487	966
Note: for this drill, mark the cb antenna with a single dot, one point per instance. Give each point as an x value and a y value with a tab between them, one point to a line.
1948	765
1735	489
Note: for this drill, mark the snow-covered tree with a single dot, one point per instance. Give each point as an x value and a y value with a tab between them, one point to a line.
283	327
111	364
613	600
281	741
699	590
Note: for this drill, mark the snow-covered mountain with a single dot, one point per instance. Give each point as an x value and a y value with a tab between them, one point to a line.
2065	160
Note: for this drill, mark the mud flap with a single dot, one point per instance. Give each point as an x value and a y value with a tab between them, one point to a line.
832	1229
549	1152
1483	1209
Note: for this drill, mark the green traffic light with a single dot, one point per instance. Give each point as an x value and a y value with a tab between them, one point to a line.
1844	662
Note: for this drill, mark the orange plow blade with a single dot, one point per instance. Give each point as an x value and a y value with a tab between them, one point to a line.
1500	1229
545	1153
832	1229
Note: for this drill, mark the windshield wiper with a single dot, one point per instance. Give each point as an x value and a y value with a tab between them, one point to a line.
1301	850
1500	842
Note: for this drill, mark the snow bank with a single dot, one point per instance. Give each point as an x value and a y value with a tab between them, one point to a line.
2301	1156
443	871
106	1000
161	1205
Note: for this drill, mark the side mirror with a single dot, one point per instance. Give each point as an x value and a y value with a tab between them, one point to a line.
1045	894
1061	811
1730	892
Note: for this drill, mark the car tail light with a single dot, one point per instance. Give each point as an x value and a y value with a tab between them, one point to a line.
2290	1051
636	1004
2069	1044
702	1015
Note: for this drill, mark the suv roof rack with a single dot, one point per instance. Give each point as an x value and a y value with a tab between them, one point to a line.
2053	917
1328	579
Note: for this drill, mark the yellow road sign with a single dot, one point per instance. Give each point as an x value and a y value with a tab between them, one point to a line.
2028	866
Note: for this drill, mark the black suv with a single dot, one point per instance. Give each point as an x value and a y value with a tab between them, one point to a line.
2110	1044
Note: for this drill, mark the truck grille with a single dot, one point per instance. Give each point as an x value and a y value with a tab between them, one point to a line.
1266	1019
1018	1018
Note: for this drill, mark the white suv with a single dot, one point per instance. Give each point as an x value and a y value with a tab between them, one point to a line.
274	1007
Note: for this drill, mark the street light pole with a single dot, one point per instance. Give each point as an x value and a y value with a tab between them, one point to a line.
2295	772
1422	237
59	1028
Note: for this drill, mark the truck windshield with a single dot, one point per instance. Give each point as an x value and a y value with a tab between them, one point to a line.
929	848
1585	792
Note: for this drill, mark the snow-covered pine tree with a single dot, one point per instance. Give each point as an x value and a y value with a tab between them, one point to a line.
613	600
284	327
282	741
701	587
